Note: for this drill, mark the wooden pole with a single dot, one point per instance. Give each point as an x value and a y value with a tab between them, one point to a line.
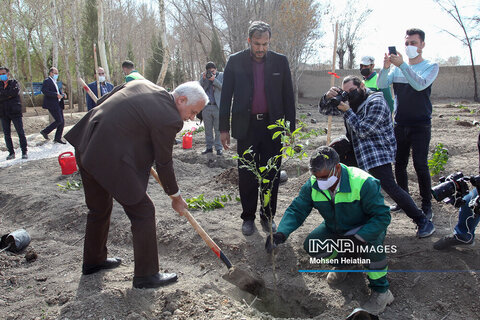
99	92
87	90
332	81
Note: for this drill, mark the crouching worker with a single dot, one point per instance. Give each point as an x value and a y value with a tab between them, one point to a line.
354	213
115	147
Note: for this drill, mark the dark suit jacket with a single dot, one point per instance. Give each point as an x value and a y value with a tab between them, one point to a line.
119	142
238	84
50	99
93	87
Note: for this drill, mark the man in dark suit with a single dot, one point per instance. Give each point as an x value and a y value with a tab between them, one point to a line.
260	83
105	87
53	100
115	147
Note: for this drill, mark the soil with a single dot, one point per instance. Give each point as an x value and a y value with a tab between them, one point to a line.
44	281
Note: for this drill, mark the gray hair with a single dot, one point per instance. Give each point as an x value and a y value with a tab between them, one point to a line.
193	91
259	27
325	158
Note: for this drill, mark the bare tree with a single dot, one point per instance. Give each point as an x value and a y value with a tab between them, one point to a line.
350	21
101	40
76	39
54	34
163	38
452	9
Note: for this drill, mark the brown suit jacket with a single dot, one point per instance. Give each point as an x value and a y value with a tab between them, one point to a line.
118	141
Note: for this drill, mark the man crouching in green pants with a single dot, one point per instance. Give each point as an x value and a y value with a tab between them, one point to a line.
354	227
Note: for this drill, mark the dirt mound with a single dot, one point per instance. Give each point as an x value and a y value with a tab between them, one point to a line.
427	284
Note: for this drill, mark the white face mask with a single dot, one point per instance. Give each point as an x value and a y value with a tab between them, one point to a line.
326	184
101	78
411	52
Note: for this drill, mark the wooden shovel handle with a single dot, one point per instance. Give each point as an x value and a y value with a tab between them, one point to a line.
215	248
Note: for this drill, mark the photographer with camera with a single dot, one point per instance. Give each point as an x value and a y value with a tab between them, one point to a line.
211	81
468	218
368	122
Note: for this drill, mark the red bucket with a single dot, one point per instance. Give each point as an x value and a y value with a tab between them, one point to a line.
67	162
187	141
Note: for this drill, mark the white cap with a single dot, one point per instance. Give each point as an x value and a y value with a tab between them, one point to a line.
367	60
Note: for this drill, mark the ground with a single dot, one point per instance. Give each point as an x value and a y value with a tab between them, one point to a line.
52	287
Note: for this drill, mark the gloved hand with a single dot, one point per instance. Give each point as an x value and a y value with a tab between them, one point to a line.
278	238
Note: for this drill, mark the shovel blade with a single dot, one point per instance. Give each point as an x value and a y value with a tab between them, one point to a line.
245	281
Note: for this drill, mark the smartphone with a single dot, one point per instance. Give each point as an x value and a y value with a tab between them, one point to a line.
392	50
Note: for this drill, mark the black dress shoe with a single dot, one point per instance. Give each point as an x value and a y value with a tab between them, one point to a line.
44	134
59	141
24	156
11	156
155	281
110	263
207	151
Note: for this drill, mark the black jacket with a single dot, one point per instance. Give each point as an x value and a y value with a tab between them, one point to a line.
10	104
50	99
238	84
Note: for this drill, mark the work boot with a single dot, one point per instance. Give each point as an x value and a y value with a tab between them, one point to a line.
248	227
11	156
452	241
266	225
378	301
425	228
336	277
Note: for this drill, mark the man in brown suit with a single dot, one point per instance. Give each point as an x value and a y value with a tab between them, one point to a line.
115	147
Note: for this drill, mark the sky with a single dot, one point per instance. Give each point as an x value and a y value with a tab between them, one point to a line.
389	20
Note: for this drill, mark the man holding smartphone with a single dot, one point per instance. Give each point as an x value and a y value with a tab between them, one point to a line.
412	85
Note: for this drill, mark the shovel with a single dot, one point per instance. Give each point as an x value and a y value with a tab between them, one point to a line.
237	277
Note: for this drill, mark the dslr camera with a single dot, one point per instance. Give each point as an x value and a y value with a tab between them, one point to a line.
209	74
330	107
454	187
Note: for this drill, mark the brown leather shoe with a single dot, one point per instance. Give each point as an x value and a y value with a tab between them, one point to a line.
110	263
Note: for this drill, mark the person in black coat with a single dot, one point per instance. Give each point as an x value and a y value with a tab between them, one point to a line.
11	111
260	83
53	101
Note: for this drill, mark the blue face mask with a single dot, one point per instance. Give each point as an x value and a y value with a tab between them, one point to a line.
55	77
3	77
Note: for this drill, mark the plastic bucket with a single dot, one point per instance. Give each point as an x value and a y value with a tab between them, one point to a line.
187	141
16	241
67	163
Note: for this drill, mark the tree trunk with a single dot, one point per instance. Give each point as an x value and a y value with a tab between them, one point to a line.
78	73
163	37
341	54
14	41
65	57
101	40
54	34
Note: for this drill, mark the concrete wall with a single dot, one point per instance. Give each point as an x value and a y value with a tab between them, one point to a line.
452	82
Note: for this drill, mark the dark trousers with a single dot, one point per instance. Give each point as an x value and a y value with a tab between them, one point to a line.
57	114
384	173
260	139
418	140
142	217
18	124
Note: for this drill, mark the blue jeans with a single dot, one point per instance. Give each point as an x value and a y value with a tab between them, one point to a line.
18	124
418	140
467	221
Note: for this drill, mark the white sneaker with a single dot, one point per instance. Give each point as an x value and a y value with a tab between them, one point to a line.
334	278
378	301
